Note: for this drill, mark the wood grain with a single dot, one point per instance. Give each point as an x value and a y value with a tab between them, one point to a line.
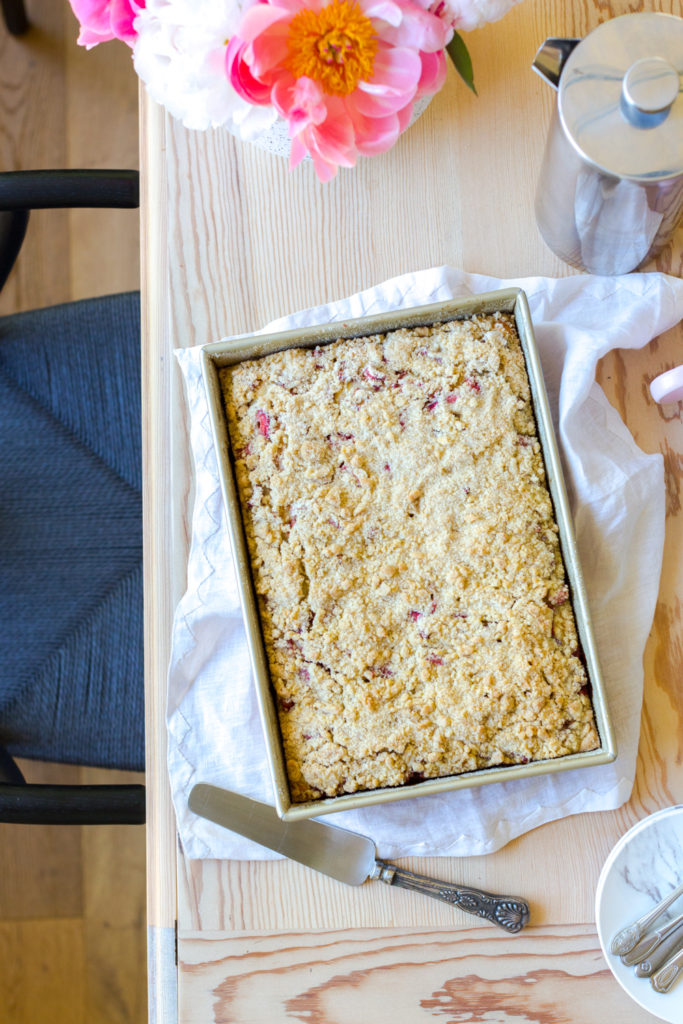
400	975
240	241
61	106
42	972
102	114
113	882
33	882
32	84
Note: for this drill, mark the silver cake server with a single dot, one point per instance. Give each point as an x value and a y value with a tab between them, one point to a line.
344	855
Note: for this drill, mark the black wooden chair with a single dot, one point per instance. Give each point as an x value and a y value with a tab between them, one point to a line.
71	657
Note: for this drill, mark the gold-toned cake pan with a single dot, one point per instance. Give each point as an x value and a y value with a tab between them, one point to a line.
236	350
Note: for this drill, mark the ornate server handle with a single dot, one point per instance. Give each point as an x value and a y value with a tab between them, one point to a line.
507	912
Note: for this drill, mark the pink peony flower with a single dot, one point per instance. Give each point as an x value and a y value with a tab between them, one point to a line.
343	73
102	20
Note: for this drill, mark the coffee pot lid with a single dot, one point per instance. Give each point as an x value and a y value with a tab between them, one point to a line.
621	97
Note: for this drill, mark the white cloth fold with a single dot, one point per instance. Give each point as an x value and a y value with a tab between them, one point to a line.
618	501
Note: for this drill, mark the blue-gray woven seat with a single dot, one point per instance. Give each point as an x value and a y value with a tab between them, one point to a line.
71	647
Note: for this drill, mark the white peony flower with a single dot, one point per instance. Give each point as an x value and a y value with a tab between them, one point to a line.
465	15
180	56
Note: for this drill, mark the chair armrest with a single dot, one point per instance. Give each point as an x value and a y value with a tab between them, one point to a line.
42	190
72	805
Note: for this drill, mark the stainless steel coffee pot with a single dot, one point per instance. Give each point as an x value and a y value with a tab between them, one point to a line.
610	191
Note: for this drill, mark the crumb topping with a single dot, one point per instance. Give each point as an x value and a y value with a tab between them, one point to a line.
405	555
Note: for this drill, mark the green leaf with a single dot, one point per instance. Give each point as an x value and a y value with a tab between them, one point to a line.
462	61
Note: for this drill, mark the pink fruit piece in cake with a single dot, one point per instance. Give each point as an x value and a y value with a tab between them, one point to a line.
559	596
263	423
377	380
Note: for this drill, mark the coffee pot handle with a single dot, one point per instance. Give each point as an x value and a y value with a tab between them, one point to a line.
551	58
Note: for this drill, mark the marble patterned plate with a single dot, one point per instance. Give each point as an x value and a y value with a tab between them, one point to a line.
643	867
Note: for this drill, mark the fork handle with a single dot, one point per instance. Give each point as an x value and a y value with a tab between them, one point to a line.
666	975
624	941
652	943
666	948
508	912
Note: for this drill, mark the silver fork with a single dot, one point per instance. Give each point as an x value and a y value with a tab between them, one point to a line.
664	978
669	943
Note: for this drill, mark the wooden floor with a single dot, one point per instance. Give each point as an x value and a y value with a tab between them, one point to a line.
72	900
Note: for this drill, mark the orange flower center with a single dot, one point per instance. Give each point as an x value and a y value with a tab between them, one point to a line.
335	47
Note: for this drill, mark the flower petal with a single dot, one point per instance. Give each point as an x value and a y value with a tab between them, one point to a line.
102	20
240	76
393	84
297	153
405	117
377	134
123	15
300	101
396	72
325	170
383	10
330	149
466	15
419	29
258	19
269	50
433	73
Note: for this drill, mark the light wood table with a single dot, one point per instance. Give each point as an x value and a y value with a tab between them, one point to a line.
232	240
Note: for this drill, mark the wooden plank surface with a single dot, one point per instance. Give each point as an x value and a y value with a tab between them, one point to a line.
244	241
165	555
401	976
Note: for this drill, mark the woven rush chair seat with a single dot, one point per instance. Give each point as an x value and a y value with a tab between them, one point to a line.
71	629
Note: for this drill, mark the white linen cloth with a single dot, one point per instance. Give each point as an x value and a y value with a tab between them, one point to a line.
618	502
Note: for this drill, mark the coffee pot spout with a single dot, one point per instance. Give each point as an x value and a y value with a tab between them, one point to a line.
551	58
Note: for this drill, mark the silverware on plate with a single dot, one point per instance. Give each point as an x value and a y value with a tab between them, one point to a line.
649	943
343	855
669	940
625	940
664	978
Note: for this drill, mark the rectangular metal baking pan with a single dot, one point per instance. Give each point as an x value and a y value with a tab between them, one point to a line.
231	351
